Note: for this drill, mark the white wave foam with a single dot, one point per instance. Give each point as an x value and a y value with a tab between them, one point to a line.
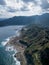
17	62
3	43
10	49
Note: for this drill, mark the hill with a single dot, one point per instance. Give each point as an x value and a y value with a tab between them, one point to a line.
20	20
24	20
36	38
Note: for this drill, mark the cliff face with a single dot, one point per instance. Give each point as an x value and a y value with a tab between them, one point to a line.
36	38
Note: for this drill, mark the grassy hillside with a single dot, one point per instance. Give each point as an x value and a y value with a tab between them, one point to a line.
36	38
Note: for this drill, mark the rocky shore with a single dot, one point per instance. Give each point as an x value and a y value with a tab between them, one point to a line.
14	41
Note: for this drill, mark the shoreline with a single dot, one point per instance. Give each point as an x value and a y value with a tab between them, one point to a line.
12	44
14	41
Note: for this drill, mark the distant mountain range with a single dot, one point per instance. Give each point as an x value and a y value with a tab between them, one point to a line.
23	20
1	19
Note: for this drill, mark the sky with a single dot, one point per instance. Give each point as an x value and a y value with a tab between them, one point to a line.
10	8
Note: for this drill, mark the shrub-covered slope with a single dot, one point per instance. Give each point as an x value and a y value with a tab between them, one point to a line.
36	38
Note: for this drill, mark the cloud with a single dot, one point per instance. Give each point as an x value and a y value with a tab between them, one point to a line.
27	1
10	9
23	7
2	2
33	1
45	4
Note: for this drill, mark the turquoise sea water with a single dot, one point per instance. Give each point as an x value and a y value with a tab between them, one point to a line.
6	57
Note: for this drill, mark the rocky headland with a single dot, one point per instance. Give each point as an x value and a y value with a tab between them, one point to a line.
32	45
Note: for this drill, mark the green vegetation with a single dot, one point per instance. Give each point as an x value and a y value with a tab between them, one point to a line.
36	38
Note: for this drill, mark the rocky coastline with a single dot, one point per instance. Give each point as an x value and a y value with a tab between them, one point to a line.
32	46
14	41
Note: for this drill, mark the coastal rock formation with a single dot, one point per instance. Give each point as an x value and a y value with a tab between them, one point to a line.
32	45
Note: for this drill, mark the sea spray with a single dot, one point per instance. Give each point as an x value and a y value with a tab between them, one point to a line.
10	51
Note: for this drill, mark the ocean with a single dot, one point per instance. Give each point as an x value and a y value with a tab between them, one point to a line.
6	55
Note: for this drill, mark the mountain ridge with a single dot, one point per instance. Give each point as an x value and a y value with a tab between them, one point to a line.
23	20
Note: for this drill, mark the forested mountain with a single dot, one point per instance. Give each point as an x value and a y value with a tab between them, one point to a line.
23	20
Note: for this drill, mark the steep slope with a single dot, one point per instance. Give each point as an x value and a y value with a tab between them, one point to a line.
36	38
